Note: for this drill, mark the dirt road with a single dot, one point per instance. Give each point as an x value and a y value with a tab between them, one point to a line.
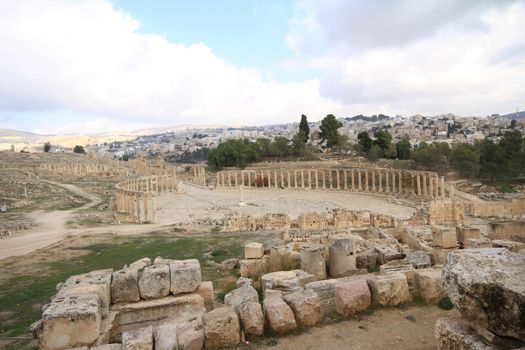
51	227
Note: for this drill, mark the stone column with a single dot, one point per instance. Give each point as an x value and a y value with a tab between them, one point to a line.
373	180
249	178
387	182
353	180
431	186
425	185
442	187
400	187
380	181
331	172
282	178
295	178
222	179
146	200
138	210
302	179
288	176
367	186
236	174
359	180
324	179
316	179
309	179
345	173
436	188
275	179
393	182
338	174
418	180
154	209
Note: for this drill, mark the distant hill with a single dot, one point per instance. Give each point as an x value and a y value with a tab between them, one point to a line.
16	133
374	118
520	115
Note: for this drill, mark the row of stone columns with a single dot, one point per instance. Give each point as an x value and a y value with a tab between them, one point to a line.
199	175
359	180
138	197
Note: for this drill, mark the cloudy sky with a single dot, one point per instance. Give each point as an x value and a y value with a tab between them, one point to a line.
101	65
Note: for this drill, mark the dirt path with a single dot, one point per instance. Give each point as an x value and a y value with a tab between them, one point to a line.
392	328
50	227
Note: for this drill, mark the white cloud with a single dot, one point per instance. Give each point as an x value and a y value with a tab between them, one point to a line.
90	58
410	57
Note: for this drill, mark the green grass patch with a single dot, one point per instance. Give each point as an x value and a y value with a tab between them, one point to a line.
445	304
22	297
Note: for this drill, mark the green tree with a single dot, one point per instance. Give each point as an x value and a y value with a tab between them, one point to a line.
298	144
403	149
382	139
433	157
390	152
465	159
490	158
329	130
512	145
263	145
236	152
303	126
364	141
47	146
279	147
374	153
79	149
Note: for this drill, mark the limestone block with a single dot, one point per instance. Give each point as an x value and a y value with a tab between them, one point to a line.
97	282
326	292
154	282
253	250
389	289
221	328
185	275
402	266
155	312
230	264
386	254
190	334
279	316
306	307
286	281
159	260
444	237
312	261
341	256
71	321
254	268
244	280
471	243
367	260
487	286
514	247
114	346
205	290
439	255
453	333
125	286
429	285
252	318
463	233
141	339
352	297
273	293
165	337
419	259
238	296
140	264
283	258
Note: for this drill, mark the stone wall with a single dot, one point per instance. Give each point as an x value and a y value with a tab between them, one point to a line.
335	219
508	208
445	212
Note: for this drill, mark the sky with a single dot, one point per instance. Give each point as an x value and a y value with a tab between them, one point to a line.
87	66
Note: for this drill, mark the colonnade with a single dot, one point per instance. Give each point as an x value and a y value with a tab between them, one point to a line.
138	197
199	175
374	180
80	169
